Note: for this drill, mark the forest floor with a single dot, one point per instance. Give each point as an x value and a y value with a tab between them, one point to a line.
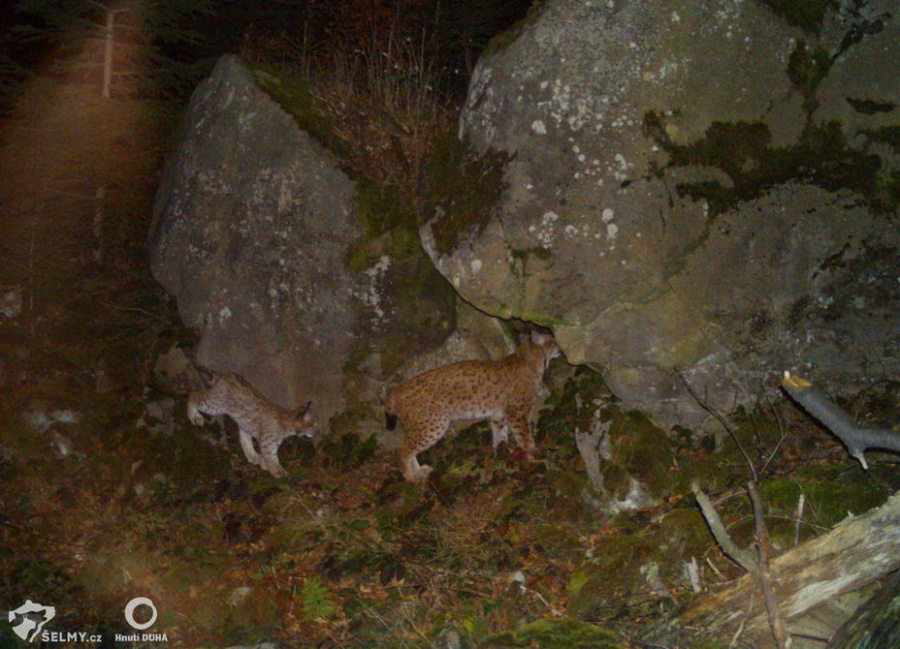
107	492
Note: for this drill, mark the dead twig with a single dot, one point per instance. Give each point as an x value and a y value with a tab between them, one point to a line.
722	421
740	556
776	621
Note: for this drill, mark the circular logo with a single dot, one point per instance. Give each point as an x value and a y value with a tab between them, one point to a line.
129	613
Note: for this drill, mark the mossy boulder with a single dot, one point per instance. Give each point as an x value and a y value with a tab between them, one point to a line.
294	271
251	222
692	197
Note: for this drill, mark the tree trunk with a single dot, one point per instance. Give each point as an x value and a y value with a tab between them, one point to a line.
875	624
858	551
108	42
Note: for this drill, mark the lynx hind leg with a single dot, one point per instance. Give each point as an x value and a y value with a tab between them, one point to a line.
499	431
269	455
247	445
193	410
411	469
521	429
419	437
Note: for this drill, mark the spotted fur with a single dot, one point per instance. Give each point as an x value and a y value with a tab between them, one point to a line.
502	391
257	418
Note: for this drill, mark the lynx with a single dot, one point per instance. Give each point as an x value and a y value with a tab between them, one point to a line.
257	419
503	391
11	300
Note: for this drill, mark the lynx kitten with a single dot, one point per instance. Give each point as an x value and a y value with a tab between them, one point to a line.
502	391
257	419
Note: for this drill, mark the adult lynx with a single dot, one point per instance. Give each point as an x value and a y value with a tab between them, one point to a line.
502	391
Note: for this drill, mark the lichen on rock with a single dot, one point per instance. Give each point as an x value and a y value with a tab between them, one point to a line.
679	176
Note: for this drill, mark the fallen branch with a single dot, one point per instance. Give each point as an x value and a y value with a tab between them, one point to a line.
764	549
858	439
742	557
757	566
858	551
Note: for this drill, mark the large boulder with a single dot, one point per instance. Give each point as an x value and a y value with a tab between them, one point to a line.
251	221
256	234
693	193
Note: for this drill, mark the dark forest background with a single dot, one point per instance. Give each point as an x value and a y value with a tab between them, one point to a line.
174	44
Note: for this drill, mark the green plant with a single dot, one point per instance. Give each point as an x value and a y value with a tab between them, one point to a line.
317	600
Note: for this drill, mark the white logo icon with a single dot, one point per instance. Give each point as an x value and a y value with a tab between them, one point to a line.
24	624
129	613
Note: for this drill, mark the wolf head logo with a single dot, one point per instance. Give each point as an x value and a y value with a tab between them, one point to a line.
28	620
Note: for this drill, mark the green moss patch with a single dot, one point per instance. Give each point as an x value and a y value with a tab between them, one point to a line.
807	68
641	449
742	150
293	94
830	493
554	634
465	189
808	15
389	224
821	157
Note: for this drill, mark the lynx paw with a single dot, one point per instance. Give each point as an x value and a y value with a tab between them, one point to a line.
421	475
411	469
194	413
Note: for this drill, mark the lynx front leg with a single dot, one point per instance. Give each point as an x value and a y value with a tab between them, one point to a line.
269	452
521	429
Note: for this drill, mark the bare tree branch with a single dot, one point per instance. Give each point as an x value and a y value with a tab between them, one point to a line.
858	439
723	421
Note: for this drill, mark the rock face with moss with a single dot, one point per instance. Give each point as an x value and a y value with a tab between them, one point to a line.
688	187
256	233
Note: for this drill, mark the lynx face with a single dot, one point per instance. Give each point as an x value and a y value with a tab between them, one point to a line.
11	300
502	391
257	418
